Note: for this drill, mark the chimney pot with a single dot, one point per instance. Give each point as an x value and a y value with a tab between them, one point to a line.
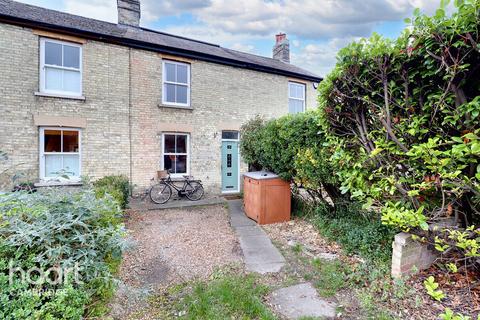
281	49
129	12
280	37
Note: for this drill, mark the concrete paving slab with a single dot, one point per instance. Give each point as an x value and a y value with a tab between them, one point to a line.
301	300
260	254
254	241
250	231
265	267
239	221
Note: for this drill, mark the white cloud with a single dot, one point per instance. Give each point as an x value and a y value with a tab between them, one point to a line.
319	28
153	10
320	58
97	9
212	35
313	19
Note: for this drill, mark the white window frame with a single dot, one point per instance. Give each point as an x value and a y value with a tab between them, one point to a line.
176	175
304	94
165	82
43	74
42	153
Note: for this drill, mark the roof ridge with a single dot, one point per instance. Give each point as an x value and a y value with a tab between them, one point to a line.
32	16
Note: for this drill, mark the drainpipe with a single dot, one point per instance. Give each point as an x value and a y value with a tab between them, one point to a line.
130	115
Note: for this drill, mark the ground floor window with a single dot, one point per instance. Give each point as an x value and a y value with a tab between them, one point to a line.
176	153
60	153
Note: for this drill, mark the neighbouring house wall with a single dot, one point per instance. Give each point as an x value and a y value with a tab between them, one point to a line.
105	142
222	98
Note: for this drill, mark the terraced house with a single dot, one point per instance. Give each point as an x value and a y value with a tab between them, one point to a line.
85	97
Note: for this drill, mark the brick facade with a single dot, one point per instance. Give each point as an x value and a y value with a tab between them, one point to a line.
122	110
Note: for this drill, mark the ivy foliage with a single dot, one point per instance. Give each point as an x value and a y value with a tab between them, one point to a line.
403	119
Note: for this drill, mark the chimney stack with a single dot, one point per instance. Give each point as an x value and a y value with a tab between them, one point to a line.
281	49
129	12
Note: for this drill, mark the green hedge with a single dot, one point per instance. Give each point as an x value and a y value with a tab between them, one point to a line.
116	186
292	147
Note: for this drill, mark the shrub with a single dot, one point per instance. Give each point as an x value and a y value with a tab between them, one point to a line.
117	186
61	230
403	118
357	231
292	147
250	144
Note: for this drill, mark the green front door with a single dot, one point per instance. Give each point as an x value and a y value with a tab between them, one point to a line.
230	168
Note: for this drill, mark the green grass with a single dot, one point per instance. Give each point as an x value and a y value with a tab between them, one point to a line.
225	297
330	276
297	248
357	231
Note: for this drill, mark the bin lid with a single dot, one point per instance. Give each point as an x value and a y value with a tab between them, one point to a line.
261	175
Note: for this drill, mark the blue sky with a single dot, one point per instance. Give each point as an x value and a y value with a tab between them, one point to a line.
317	29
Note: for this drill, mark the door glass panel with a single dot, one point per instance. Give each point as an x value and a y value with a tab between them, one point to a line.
229	160
53	141
70	141
181	144
71	165
71	57
53	53
231	135
53	79
169	143
53	165
181	164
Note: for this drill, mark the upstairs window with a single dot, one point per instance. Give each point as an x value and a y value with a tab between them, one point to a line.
60	67
176	83
296	97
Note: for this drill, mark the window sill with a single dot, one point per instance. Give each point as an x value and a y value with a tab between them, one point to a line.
61	96
172	106
56	183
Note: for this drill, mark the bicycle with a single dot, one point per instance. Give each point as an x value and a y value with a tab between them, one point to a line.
161	192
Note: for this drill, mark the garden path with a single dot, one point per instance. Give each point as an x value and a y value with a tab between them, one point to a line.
169	247
260	254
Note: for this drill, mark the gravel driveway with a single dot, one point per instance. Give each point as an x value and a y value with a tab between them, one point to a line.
172	246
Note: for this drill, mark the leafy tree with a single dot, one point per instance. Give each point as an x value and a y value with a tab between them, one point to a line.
403	119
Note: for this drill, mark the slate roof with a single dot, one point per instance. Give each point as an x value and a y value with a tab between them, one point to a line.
41	18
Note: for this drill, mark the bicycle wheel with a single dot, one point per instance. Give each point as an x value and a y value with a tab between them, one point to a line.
160	193
194	190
